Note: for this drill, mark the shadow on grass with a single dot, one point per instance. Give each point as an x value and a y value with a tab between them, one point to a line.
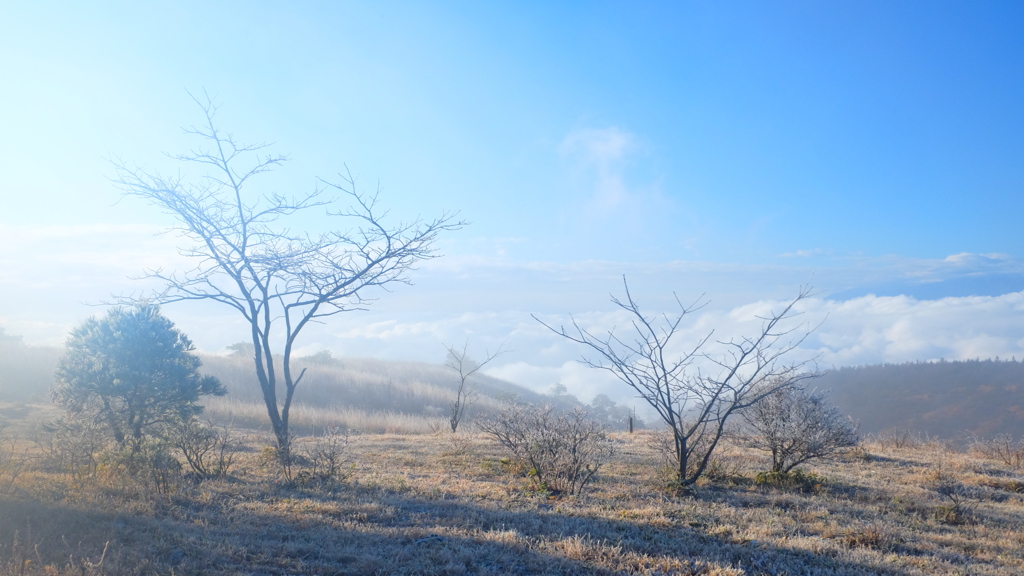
879	459
373	531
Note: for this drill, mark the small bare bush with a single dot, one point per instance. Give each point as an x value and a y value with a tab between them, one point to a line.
327	457
455	444
796	426
209	450
722	469
1001	448
148	464
939	445
960	501
560	451
12	464
898	438
465	392
71	446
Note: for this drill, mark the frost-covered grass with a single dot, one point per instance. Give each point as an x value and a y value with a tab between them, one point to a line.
438	504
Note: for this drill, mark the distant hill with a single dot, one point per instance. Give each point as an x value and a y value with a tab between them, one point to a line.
942	399
357	392
369	385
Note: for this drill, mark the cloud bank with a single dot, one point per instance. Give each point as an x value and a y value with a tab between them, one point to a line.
958	307
865	330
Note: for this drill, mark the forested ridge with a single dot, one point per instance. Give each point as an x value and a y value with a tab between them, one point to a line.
947	399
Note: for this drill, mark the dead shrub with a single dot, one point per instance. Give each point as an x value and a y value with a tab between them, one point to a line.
1009	485
1001	448
71	446
939	445
209	450
12	464
960	501
270	460
149	465
560	451
898	438
874	536
796	426
858	453
722	469
326	458
22	557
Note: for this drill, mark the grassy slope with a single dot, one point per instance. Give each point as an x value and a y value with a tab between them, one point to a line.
427	504
361	393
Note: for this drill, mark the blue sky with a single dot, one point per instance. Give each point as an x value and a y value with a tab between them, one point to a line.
873	149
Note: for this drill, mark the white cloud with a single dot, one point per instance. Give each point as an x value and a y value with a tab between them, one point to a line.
10	232
52	255
865	330
968	259
966	264
49	271
869	329
599	158
876	329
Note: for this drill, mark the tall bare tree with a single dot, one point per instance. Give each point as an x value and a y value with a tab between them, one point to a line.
464	367
693	391
248	258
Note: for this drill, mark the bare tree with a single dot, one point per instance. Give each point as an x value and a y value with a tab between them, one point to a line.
459	361
694	403
248	259
795	426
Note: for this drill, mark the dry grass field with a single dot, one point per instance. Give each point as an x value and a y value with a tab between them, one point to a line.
437	504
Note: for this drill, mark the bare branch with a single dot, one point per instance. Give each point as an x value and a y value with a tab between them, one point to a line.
694	404
247	258
459	361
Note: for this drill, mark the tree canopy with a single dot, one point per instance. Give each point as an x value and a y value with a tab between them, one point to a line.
131	370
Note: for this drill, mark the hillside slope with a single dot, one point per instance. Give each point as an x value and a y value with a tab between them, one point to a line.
372	392
942	399
361	393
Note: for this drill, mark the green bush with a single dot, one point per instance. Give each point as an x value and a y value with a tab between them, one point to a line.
131	371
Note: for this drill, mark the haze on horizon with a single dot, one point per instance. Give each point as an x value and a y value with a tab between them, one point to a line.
740	151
